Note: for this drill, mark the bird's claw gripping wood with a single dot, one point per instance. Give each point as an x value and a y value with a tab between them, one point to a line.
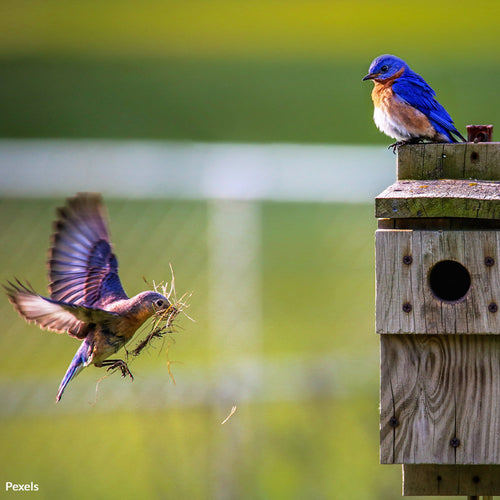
396	144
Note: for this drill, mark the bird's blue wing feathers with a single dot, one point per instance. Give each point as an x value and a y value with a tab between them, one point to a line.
415	91
82	267
420	95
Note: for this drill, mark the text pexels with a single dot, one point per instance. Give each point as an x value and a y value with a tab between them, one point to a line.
21	487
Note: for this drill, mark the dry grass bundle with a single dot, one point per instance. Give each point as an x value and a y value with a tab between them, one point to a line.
162	323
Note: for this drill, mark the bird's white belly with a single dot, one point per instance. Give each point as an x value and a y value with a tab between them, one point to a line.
389	125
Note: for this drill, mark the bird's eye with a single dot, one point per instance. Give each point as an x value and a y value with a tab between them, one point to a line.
384	68
159	303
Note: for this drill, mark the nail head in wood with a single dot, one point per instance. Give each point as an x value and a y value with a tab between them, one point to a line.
393	421
407	307
407	259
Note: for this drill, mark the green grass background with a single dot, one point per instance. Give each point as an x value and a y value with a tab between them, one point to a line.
219	71
234	70
318	299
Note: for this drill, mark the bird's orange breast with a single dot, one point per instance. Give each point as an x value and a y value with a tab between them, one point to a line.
382	90
397	118
381	94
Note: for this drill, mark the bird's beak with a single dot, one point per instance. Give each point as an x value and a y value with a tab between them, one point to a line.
370	76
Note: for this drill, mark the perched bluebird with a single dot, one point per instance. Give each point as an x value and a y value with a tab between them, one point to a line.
86	300
405	106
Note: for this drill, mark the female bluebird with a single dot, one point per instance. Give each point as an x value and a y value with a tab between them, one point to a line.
405	107
86	300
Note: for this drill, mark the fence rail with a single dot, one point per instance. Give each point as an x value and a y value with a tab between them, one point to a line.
142	169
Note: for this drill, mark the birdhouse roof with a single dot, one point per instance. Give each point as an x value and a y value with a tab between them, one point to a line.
444	181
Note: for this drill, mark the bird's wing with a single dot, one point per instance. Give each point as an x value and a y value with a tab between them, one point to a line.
416	92
82	267
52	315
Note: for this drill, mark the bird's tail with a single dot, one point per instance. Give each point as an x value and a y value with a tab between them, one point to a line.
459	135
78	363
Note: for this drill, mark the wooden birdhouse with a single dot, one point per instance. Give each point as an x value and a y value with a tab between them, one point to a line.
437	313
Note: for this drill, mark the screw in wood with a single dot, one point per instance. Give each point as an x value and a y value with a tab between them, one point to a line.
493	308
407	259
476	479
489	261
393	421
455	442
407	307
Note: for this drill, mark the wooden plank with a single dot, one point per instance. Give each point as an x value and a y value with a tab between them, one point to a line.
438	223
449	161
440	198
399	285
440	399
471	480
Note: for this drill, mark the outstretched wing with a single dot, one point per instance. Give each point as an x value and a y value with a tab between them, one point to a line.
416	92
82	267
49	314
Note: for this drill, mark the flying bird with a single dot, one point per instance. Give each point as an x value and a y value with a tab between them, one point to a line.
86	298
405	104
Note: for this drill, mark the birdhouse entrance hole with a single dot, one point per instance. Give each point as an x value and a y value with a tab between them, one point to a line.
449	281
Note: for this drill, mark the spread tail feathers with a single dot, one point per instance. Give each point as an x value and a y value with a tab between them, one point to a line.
78	363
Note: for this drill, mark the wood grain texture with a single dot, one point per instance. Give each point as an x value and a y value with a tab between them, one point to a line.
471	480
398	283
449	161
441	224
440	198
435	388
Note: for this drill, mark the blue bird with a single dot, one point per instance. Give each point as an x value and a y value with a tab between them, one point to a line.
405	104
87	300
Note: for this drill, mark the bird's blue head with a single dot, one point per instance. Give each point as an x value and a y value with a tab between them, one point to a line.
385	67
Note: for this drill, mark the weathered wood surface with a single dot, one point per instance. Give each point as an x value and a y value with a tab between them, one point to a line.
440	198
442	224
437	388
471	480
398	283
449	161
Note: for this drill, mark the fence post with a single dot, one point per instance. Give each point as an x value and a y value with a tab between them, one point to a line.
235	317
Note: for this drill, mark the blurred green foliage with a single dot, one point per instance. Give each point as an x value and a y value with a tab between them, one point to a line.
261	28
316	101
219	70
318	300
234	71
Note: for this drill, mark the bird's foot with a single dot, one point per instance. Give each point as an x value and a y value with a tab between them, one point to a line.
395	146
113	364
413	140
